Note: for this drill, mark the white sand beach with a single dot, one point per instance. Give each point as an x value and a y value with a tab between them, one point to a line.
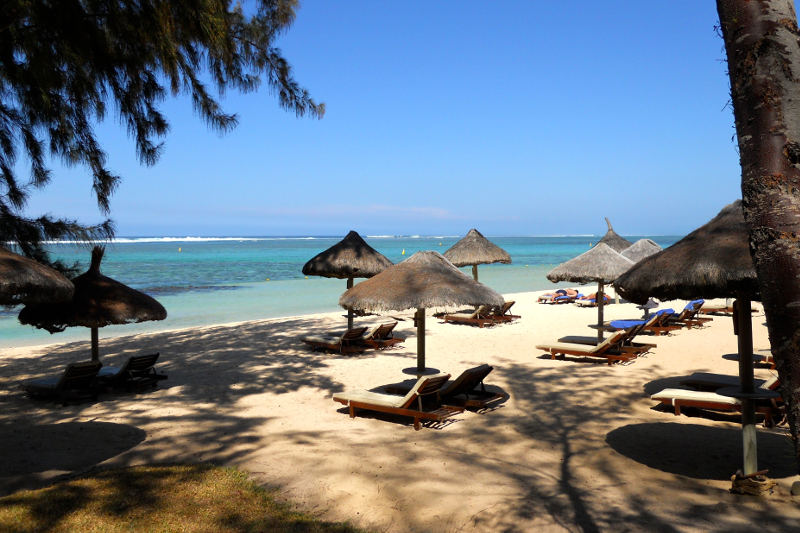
576	446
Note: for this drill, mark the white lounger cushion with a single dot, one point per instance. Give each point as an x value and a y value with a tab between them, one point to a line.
384	400
694	396
583	348
372	398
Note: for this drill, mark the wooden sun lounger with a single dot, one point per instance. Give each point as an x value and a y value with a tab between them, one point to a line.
78	380
477	318
688	316
626	340
709	381
656	323
466	390
502	314
679	398
381	336
137	371
608	349
410	405
351	341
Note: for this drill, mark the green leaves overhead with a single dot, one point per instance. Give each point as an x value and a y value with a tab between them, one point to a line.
62	62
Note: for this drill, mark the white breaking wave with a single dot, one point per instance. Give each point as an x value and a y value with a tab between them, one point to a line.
127	240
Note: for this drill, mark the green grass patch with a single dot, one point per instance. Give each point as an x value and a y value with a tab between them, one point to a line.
190	498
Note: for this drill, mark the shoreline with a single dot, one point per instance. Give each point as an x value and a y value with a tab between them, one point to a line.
155	331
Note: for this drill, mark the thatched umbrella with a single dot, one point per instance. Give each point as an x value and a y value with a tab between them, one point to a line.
347	259
475	249
713	261
98	301
24	280
613	240
426	279
640	249
600	264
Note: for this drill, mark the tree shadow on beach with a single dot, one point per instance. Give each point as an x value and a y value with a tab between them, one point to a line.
214	371
566	410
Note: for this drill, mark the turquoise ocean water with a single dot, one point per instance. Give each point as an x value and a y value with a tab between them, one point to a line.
204	281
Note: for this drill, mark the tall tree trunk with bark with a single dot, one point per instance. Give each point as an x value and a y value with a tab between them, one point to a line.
763	48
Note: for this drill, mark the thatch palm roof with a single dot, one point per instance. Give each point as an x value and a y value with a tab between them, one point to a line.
600	263
349	258
475	249
424	280
613	240
97	302
641	249
713	261
24	280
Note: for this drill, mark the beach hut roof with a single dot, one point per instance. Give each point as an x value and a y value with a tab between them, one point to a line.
24	280
713	261
475	249
424	280
349	258
613	240
98	301
641	249
599	263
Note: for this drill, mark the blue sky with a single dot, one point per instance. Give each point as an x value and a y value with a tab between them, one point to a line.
515	117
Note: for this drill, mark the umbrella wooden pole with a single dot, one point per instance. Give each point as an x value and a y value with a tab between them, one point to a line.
475	272
419	319
600	300
95	345
745	338
349	310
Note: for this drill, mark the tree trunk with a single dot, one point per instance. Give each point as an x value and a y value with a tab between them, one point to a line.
763	51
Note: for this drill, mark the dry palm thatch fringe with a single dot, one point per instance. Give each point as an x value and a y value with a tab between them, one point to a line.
24	280
424	280
613	240
349	258
713	261
640	249
475	249
98	301
599	264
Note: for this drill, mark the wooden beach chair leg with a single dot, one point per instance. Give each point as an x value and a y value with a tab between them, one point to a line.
352	412
416	423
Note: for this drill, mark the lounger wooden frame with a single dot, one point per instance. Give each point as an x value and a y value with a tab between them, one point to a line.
78	380
137	371
501	314
608	350
467	390
715	402
478	318
382	337
351	341
625	342
427	387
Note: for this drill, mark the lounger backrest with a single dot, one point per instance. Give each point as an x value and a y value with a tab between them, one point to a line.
481	311
506	307
424	386
663	315
611	341
693	307
631	332
772	383
383	331
79	375
353	334
467	381
140	364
